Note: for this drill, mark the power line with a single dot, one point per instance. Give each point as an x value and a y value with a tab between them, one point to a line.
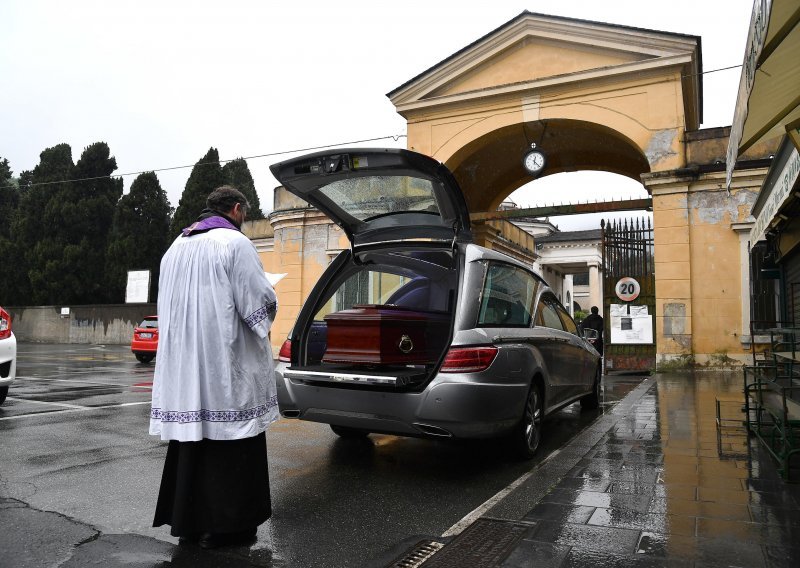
394	137
712	71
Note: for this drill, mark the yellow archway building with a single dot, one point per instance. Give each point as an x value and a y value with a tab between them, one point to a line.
593	96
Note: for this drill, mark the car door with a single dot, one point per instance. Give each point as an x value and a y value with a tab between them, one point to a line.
581	374
554	343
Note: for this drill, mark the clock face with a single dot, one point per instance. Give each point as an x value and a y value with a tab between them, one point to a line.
534	161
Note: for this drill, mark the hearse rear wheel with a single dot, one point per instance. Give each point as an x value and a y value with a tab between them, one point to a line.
525	439
349	433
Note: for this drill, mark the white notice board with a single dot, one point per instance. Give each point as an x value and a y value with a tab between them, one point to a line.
632	329
138	289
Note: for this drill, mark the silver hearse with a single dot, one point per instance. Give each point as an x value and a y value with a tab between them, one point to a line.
508	354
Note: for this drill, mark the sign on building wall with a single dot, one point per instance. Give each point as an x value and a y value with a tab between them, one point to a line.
778	189
627	289
631	324
138	289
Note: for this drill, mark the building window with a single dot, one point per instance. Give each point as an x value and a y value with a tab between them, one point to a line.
764	288
581	279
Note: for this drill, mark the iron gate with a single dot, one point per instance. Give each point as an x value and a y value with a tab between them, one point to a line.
628	252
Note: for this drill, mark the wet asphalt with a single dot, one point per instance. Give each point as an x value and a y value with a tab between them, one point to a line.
79	477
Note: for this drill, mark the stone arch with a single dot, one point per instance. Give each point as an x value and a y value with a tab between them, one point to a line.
493	160
630	92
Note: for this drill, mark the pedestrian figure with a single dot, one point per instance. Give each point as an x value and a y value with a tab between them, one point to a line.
595	321
214	387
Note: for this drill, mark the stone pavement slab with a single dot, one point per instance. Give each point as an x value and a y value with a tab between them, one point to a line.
659	488
653	482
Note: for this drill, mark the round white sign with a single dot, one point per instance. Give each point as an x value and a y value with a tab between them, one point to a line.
627	289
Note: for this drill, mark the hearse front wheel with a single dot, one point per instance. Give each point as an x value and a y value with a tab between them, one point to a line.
528	433
349	433
592	401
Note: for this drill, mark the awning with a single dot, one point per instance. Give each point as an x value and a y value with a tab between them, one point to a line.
777	189
768	103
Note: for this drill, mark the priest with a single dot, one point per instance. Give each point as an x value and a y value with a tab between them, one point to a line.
214	389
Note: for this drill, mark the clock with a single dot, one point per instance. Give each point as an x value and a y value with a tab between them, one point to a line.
534	161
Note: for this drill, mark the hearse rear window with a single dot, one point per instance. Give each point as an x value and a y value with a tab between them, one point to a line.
373	196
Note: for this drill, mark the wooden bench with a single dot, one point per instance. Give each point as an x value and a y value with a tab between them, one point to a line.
772	408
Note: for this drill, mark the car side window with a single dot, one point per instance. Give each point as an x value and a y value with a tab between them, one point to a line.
569	323
507	297
547	315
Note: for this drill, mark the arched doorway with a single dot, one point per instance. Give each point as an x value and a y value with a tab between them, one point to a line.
489	168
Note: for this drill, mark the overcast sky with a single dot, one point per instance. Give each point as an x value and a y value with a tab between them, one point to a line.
162	81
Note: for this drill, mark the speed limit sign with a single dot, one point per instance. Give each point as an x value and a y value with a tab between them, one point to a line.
627	289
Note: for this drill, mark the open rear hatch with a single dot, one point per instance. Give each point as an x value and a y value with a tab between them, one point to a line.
380	196
383	315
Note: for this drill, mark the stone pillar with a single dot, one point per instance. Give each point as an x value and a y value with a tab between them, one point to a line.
595	287
672	244
742	230
305	240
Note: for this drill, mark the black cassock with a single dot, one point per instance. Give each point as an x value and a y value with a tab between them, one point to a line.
214	486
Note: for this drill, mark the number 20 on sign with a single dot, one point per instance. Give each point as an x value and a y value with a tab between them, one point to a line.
627	289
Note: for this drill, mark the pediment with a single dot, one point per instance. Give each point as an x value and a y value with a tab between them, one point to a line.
532	58
535	48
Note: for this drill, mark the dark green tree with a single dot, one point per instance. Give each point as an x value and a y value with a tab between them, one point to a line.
238	175
9	198
12	273
139	234
67	262
38	188
206	176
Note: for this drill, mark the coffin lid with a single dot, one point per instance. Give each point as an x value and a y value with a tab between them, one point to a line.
380	195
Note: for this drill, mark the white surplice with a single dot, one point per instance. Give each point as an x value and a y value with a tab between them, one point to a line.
214	375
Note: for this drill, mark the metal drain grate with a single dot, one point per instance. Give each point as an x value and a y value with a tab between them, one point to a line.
417	555
486	543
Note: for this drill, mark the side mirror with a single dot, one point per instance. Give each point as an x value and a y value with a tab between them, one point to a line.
590	334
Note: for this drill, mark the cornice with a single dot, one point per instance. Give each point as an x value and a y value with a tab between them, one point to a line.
657	46
605	74
688	180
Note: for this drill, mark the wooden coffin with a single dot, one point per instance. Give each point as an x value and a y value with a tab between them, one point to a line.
385	335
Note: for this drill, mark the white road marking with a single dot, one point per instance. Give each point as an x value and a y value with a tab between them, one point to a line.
74	409
62	404
472	516
79	382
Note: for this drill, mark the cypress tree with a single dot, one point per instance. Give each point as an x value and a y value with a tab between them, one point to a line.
12	273
139	235
9	198
34	224
206	176
67	260
238	175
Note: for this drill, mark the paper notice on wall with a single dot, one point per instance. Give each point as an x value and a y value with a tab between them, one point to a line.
619	310
632	329
637	310
137	290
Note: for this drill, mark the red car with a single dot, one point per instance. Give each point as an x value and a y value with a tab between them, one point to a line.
145	339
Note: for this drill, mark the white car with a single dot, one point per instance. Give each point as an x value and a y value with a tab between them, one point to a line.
8	354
